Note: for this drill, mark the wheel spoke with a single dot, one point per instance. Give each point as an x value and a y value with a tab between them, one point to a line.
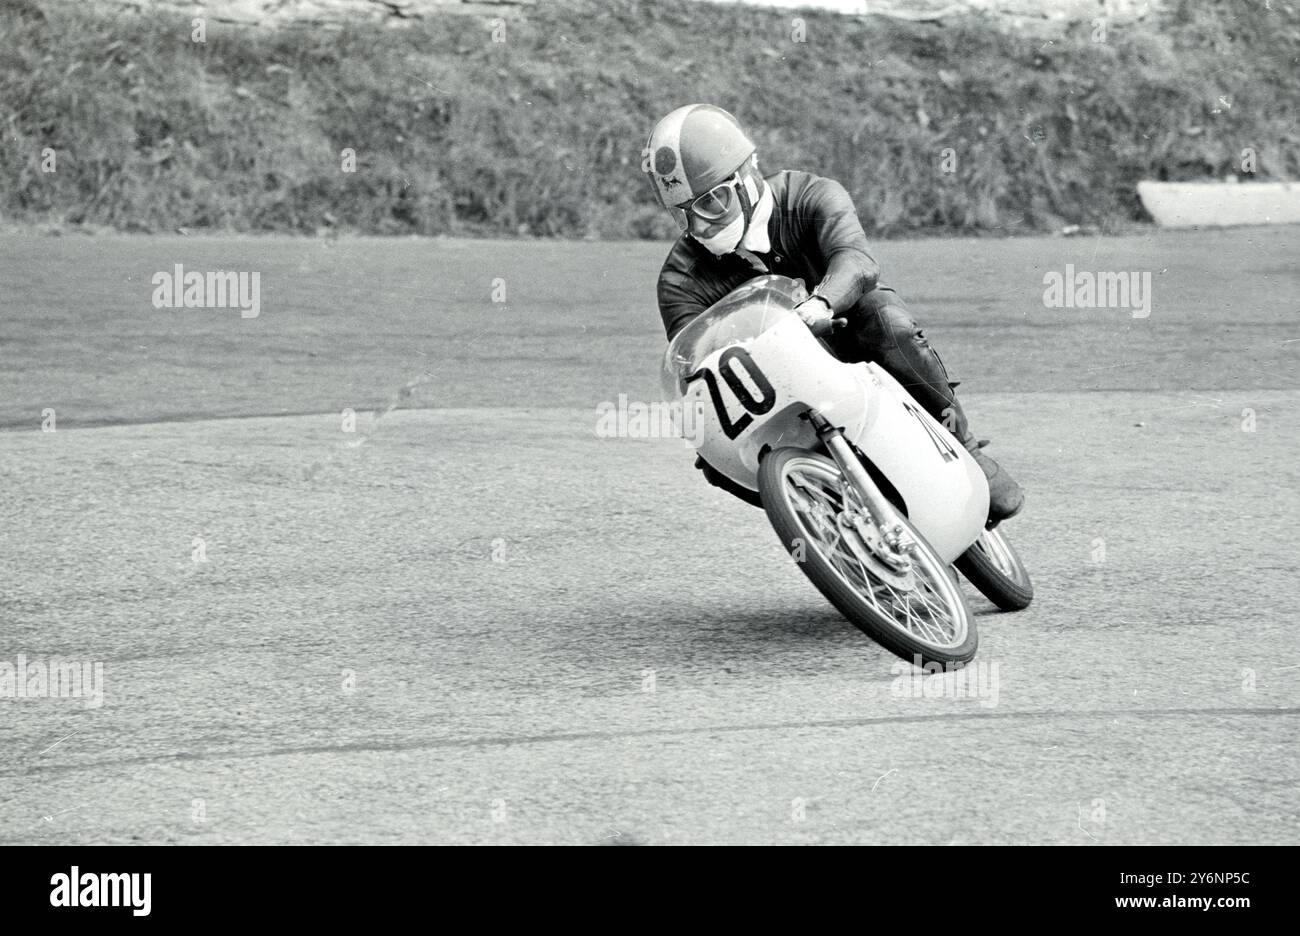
820	500
931	628
935	623
999	552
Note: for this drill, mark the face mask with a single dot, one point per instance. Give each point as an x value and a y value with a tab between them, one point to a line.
729	237
725	240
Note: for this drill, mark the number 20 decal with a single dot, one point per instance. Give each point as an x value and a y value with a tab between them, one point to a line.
727	369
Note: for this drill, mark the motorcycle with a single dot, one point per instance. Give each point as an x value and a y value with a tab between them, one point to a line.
874	498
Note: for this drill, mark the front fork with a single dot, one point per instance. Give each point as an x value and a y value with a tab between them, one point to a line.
882	511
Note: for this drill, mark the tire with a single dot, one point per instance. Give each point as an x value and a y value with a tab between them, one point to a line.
993	566
789	477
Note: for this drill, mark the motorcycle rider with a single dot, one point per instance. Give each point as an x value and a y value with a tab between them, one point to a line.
738	224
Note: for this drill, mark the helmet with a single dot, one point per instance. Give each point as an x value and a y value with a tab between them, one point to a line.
702	167
693	149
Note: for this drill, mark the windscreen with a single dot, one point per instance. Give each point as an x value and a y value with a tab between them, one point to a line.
745	312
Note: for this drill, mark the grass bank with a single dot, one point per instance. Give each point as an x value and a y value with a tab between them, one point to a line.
457	133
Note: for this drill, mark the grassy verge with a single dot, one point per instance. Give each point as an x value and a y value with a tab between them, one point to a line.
540	134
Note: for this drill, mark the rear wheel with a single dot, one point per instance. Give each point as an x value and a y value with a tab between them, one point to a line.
897	591
992	565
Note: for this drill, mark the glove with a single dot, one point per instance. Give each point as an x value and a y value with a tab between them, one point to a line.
818	315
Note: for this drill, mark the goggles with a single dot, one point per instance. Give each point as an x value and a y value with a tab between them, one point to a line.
711	207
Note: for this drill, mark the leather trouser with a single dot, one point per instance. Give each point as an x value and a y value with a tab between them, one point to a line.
880	329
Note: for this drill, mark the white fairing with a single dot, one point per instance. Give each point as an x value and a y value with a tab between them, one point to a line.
945	491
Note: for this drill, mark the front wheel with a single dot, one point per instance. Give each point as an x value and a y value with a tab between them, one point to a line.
993	566
899	593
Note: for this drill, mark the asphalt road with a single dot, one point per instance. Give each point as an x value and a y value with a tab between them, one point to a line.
473	620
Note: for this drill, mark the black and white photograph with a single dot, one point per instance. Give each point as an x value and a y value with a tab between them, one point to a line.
650	422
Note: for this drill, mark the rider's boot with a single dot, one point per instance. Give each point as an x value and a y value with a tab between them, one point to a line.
1005	496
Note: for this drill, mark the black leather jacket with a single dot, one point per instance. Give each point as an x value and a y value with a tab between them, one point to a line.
815	235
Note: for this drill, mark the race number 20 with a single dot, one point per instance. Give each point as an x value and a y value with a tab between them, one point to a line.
728	363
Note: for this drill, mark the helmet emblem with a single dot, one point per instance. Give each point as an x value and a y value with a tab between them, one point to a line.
665	160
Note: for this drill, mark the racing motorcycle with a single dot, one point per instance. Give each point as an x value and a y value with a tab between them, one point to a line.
874	498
